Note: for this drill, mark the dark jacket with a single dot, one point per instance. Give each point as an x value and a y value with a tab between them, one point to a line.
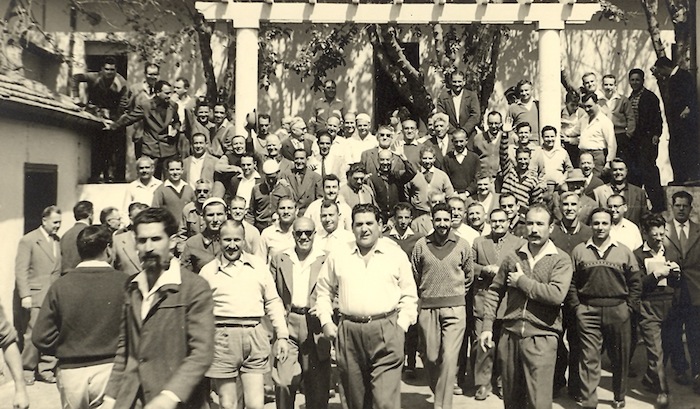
69	247
469	111
688	261
156	141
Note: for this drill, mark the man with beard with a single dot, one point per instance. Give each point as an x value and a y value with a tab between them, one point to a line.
604	292
167	327
331	186
388	182
295	272
199	165
244	293
442	267
303	182
536	279
266	195
569	232
489	252
203	247
223	130
460	104
37	265
376	298
326	106
487	144
635	197
331	235
278	236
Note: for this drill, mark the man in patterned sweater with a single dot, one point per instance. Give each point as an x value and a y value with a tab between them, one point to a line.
536	279
442	266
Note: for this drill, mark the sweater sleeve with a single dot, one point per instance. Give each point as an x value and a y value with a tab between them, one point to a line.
494	295
634	282
554	291
47	327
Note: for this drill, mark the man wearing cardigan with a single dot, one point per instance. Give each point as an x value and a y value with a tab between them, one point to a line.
536	279
442	267
461	166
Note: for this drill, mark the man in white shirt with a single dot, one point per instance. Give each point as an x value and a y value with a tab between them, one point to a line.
331	234
331	186
623	230
459	227
200	165
361	140
248	179
278	236
597	134
141	190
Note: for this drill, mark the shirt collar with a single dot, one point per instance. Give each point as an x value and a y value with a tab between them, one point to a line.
93	264
223	262
171	184
647	249
171	276
313	255
380	247
451	236
254	176
395	233
676	223
547	250
675	70
604	247
153	182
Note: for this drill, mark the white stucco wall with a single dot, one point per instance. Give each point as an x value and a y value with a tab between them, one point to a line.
25	142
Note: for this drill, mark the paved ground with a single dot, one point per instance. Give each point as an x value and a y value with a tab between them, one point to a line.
416	395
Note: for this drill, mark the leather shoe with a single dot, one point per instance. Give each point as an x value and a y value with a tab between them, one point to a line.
50	378
683	378
483	392
457	390
29	380
619	404
662	400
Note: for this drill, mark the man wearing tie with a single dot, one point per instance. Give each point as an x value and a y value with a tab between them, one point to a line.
37	265
295	271
683	247
460	105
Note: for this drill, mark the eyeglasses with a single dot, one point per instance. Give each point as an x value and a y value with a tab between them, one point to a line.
299	233
201	190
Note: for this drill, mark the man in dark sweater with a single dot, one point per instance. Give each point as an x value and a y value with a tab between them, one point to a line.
604	293
536	279
442	267
462	165
568	233
79	321
82	211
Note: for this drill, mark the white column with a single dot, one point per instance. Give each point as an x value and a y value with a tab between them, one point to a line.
549	49
246	75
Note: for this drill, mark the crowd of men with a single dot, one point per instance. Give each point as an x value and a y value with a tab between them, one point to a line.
262	256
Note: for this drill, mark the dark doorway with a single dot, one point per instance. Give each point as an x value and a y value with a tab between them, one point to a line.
386	95
40	192
94	62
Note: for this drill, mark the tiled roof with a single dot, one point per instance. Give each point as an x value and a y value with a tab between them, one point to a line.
33	94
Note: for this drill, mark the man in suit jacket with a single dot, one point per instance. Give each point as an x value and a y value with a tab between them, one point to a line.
307	347
38	264
636	197
126	259
200	165
370	157
167	331
160	125
644	144
487	259
682	245
440	141
460	105
305	184
299	139
592	181
83	213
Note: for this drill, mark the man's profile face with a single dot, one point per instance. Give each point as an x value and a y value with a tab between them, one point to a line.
214	216
109	71
366	228
298	129
232	239
165	92
51	223
153	246
179	88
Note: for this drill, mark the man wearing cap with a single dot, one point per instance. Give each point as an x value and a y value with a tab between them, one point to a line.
203	247
244	292
295	272
266	195
377	301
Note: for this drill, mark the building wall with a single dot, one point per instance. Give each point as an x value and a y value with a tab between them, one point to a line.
25	142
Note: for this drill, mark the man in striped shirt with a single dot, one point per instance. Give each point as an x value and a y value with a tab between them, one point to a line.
518	179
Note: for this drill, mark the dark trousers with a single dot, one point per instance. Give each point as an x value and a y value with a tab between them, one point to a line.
643	172
411	345
527	366
679	316
108	154
653	315
33	361
443	330
568	358
315	367
483	362
370	357
609	328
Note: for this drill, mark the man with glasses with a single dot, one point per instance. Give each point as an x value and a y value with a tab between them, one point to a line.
295	271
192	221
597	134
299	139
326	106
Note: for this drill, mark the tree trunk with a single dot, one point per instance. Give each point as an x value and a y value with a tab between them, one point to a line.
651	10
683	17
204	32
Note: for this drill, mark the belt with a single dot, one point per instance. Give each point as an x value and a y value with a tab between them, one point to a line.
299	310
592	150
251	322
367	318
235	325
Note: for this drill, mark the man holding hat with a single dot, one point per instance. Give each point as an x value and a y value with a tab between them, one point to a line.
266	195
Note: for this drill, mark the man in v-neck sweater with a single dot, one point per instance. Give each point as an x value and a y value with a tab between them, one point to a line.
442	266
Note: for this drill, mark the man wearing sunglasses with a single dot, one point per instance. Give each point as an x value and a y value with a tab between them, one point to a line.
295	271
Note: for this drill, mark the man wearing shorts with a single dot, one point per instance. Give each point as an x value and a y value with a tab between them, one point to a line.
243	292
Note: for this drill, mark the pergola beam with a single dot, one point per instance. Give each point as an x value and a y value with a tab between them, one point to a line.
244	14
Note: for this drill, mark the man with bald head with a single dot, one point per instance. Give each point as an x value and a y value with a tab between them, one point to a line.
361	140
295	271
387	182
273	147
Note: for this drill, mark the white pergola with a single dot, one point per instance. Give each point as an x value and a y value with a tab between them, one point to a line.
549	18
